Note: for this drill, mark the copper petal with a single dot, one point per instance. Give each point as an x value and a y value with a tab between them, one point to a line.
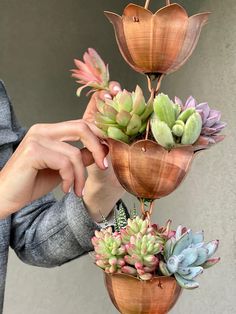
147	170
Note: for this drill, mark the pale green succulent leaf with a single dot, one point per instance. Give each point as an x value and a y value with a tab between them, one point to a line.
162	133
117	134
164	109
192	129
134	125
186	114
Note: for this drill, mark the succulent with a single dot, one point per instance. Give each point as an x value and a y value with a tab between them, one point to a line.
134	226
141	254
93	72
125	116
211	124
143	250
186	255
170	126
109	250
120	219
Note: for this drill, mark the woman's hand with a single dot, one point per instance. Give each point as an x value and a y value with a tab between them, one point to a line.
102	189
44	159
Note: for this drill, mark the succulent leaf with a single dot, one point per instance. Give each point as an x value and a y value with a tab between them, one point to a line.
117	134
164	109
192	129
186	284
162	133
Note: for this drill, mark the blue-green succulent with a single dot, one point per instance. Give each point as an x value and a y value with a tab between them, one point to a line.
186	255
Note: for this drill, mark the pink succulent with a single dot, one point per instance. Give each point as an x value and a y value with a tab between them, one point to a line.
93	72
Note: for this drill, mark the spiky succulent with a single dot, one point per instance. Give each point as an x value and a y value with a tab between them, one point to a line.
125	116
120	219
186	255
211	124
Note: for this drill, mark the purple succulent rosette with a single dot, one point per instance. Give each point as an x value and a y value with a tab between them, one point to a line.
211	123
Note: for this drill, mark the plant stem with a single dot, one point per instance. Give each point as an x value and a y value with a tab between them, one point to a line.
148	2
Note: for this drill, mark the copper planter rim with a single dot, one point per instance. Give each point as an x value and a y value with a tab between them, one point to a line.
147	170
154	278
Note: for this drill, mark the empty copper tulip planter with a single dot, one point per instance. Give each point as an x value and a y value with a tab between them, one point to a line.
133	296
147	170
156	43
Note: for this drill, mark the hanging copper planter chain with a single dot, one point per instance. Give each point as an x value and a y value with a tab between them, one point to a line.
148	2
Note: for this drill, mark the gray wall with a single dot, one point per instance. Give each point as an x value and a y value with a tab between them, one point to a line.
39	40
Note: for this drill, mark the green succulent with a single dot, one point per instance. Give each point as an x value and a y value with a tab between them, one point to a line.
170	126
109	250
125	116
141	254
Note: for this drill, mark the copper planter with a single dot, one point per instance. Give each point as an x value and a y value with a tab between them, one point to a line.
156	43
146	170
133	296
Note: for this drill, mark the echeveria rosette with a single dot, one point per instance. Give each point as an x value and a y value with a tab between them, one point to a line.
211	119
93	72
125	116
186	255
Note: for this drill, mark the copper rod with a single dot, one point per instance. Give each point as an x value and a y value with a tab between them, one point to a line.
159	83
148	2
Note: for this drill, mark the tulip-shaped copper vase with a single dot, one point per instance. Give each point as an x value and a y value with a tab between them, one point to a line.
158	43
147	170
133	296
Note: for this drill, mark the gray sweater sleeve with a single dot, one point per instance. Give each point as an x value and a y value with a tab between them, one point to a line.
49	233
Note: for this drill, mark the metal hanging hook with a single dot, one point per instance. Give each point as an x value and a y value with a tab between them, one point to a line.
148	2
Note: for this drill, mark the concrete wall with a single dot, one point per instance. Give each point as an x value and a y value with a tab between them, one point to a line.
39	40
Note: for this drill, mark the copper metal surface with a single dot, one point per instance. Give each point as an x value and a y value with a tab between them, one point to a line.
156	43
147	170
132	296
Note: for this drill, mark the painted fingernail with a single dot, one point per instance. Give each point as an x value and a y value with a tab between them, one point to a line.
116	88
105	162
108	96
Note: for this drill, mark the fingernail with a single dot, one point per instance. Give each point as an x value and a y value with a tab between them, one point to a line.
70	189
116	88
83	192
105	162
108	96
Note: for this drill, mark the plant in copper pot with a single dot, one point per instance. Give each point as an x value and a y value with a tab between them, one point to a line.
152	142
157	261
157	136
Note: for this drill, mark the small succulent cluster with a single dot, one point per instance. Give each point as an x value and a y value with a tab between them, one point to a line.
125	116
186	255
175	123
211	124
144	251
93	72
